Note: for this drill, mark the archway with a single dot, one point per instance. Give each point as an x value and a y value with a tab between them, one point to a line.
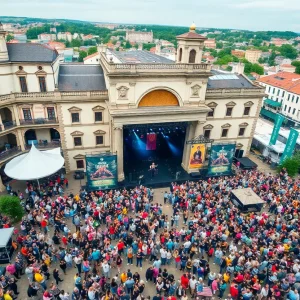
159	97
54	134
30	135
6	117
7	142
192	57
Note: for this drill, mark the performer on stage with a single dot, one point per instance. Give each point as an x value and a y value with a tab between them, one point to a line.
153	169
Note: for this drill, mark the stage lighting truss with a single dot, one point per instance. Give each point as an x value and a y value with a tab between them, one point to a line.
201	139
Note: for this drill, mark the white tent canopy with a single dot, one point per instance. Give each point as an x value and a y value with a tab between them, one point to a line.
5	235
35	164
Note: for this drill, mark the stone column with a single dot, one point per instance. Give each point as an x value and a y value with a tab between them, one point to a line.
199	128
2	186
20	139
16	114
190	134
118	148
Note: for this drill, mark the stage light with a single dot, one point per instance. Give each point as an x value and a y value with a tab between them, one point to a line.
176	127
137	130
150	129
133	130
159	129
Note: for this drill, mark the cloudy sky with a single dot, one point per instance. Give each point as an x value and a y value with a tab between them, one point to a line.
241	14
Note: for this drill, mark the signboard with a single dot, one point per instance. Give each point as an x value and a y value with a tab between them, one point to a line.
276	129
220	160
101	171
197	156
290	145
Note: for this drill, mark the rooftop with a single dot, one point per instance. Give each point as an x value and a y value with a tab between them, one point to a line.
191	35
80	77
28	52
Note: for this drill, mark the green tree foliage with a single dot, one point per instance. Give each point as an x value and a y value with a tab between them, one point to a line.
288	51
92	50
148	46
219	45
33	32
224	60
257	69
11	207
9	37
127	45
291	164
75	43
296	63
82	55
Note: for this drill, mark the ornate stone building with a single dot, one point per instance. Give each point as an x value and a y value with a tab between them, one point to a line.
85	108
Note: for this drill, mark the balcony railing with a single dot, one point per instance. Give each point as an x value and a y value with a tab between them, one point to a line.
7	125
38	121
10	152
44	145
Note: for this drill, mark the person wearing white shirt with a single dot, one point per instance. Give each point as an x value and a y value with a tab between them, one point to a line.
106	269
192	284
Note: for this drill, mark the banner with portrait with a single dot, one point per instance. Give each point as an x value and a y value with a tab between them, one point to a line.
197	156
101	172
220	160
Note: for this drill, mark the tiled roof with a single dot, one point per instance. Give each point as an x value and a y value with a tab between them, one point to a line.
191	35
284	80
90	56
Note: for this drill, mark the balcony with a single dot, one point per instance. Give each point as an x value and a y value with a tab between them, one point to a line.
7	125
6	154
39	121
45	145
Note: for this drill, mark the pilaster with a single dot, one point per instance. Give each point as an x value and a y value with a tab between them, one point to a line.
118	148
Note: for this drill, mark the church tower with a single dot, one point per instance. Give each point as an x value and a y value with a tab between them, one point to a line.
190	47
3	48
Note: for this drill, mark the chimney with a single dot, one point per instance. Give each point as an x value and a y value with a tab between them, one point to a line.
158	47
140	46
238	68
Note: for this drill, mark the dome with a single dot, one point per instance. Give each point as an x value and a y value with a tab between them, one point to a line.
193	26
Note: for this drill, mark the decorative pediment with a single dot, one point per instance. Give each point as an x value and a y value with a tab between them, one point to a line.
122	90
98	132
79	156
212	104
227	125
98	108
244	124
41	73
231	104
195	90
208	126
77	133
249	103
239	145
21	73
74	109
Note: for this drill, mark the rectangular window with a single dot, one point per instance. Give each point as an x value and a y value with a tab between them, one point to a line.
51	113
98	116
224	132
273	90
211	113
278	92
297	99
289	97
229	111
289	109
23	84
207	133
99	140
285	108
247	111
283	93
269	90
42	83
77	141
80	164
75	117
294	110
242	131
293	98
27	114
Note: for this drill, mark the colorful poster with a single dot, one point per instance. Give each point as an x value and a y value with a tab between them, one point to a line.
151	141
220	160
197	156
276	129
101	171
290	145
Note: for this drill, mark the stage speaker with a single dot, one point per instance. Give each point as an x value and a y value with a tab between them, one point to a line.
239	153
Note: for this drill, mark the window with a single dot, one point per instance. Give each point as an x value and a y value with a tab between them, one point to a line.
293	98
224	132
51	113
247	111
75	117
207	133
289	109
27	114
242	131
192	56
278	92
294	110
285	108
289	97
180	54
42	82
80	164
23	84
229	111
283	93
211	113
269	90
273	90
297	99
77	141
98	116
99	140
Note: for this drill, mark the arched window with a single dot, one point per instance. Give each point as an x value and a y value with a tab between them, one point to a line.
180	54
192	57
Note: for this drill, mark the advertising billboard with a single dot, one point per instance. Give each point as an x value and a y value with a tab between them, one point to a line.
197	156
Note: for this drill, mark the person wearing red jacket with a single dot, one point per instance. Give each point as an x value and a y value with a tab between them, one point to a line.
234	292
184	281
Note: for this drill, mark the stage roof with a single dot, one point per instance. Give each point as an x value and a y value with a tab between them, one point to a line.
247	196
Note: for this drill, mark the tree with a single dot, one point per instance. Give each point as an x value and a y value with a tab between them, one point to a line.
224	60
219	45
92	50
11	207
257	69
296	63
288	51
291	164
82	55
9	37
127	45
75	43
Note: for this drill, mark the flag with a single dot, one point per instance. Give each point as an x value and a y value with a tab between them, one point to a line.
151	141
276	129
290	145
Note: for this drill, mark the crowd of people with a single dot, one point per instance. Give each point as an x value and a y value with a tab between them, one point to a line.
123	245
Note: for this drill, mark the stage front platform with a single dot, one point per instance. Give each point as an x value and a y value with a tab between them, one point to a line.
246	200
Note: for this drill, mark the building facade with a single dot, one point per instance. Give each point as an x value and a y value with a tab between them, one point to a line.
86	108
253	55
139	36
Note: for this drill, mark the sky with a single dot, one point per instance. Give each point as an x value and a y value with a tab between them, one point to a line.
237	14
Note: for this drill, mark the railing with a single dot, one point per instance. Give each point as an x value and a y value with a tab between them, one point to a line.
7	125
10	152
38	121
44	144
218	92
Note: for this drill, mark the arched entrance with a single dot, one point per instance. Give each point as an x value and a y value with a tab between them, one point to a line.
159	98
30	135
6	117
8	141
54	134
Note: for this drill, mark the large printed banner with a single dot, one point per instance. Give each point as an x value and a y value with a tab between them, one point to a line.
101	171
151	141
197	156
220	160
276	129
290	145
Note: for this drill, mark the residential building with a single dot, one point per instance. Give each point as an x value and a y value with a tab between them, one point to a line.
210	43
279	42
47	37
66	36
92	59
238	53
281	60
253	55
88	108
139	36
287	68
